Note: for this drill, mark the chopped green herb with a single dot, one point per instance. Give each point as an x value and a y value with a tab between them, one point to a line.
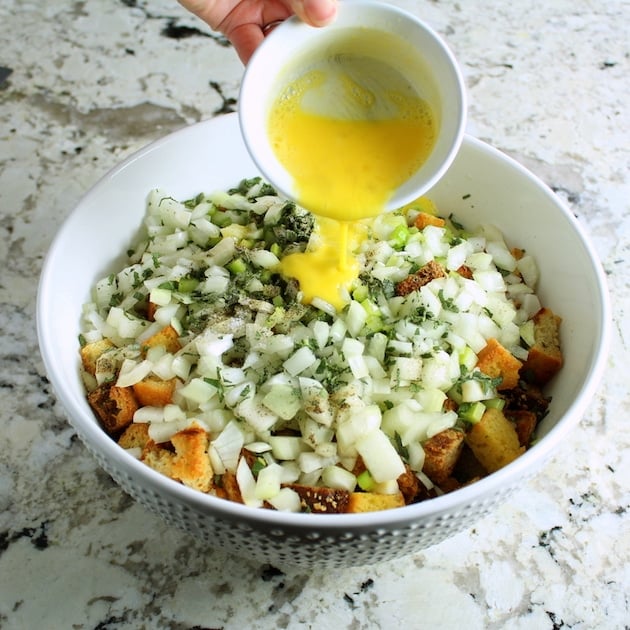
403	451
258	464
454	221
116	299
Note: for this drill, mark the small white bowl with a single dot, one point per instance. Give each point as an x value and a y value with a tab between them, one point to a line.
412	48
482	186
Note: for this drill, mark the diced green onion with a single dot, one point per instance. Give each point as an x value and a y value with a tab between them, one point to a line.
365	481
471	412
399	236
495	403
238	265
186	285
222	219
360	293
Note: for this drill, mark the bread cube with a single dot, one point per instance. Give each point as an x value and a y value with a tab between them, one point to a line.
441	453
154	392
424	218
373	502
167	337
409	485
136	435
229	487
494	440
494	360
525	423
322	500
92	351
415	281
114	406
545	356
190	463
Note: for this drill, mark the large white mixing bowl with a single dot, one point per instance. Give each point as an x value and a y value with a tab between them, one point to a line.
482	185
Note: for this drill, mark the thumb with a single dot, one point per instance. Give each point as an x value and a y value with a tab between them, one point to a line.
315	12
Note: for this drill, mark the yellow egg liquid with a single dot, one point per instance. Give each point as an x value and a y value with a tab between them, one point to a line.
350	131
325	268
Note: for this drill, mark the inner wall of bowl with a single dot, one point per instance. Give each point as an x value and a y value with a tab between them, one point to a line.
405	44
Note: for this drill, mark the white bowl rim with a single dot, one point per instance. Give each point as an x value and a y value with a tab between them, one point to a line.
91	432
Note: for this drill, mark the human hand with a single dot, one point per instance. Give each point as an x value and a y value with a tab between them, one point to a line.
246	22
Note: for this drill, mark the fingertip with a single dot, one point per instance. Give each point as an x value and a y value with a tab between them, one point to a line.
320	12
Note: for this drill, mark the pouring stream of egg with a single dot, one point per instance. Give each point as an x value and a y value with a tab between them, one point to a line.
350	130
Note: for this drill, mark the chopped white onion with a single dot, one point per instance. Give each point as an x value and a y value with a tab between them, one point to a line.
380	456
364	381
286	500
247	484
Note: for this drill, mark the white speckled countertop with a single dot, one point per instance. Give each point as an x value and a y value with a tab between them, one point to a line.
92	82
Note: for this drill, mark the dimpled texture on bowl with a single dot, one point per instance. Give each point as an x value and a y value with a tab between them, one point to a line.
482	186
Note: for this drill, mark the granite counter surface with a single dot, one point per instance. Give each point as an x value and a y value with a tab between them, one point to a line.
92	82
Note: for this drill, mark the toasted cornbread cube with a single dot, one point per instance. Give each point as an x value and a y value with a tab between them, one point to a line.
525	423
494	440
468	468
359	466
322	500
229	487
136	435
450	484
92	351
441	453
465	272
154	392
114	406
545	356
158	457
409	485
167	337
424	218
373	502
494	360
190	462
413	282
